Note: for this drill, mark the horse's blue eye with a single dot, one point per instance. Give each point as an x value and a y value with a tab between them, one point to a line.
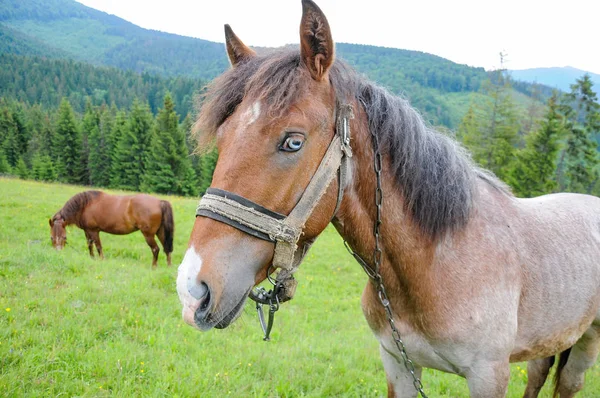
293	143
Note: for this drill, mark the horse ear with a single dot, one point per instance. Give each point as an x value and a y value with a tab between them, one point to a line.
316	45
50	222
236	49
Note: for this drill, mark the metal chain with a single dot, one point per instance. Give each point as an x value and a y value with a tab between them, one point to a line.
375	275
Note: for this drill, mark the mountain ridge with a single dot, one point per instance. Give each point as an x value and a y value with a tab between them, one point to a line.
560	77
439	88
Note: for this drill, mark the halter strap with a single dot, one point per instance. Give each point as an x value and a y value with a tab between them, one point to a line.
285	231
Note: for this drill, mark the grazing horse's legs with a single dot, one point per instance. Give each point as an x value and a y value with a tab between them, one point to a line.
95	237
583	355
90	242
488	379
537	372
399	380
161	236
153	246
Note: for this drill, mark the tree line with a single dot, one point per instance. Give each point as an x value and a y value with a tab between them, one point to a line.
104	147
553	152
37	80
550	148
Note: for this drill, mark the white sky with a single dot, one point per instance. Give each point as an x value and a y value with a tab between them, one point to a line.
534	33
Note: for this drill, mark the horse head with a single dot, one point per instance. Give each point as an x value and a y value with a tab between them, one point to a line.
273	118
58	232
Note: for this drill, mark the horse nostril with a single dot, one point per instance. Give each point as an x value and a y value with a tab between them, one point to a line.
197	290
206	302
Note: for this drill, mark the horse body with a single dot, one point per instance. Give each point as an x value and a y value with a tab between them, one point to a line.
95	212
520	281
465	308
563	254
121	215
476	278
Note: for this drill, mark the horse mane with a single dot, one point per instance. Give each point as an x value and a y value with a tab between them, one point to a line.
71	211
435	174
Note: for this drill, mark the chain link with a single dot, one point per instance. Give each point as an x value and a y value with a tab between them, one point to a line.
374	273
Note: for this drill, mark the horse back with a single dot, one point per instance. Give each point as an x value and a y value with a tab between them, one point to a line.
122	214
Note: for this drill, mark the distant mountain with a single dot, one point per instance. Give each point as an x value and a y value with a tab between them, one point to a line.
89	35
67	29
556	77
14	42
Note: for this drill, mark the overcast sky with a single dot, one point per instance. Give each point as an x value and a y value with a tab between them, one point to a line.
534	33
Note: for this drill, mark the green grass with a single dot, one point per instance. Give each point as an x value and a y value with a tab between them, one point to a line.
74	326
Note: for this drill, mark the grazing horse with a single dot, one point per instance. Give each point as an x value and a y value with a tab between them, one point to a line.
474	277
95	211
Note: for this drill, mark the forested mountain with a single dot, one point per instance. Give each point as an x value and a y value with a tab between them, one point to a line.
66	29
37	80
560	78
14	42
88	98
93	36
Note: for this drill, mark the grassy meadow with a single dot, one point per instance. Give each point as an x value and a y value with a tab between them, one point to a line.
75	326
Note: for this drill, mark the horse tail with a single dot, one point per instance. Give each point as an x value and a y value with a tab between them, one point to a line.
167	224
564	356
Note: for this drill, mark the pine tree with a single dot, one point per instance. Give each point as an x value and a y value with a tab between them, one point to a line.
90	125
41	132
581	161
42	168
470	132
23	133
21	169
493	126
116	135
132	148
9	137
535	167
99	156
195	158
168	166
4	166
583	123
535	111
209	162
68	144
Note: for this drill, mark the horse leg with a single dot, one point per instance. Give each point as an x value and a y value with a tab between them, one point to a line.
161	236
399	380
153	246
90	242
95	235
488	379
537	372
582	356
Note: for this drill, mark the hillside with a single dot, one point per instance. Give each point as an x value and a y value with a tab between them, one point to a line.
14	42
85	34
560	78
37	80
67	29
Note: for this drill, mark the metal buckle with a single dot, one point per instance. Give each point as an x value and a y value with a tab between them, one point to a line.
271	298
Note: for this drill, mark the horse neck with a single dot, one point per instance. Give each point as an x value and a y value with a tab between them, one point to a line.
407	252
69	218
72	214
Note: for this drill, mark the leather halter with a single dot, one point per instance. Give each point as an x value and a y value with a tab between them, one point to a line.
285	231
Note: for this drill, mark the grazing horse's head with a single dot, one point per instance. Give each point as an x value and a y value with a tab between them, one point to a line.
273	118
58	232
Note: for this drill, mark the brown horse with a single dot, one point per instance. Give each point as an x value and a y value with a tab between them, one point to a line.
95	211
468	276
